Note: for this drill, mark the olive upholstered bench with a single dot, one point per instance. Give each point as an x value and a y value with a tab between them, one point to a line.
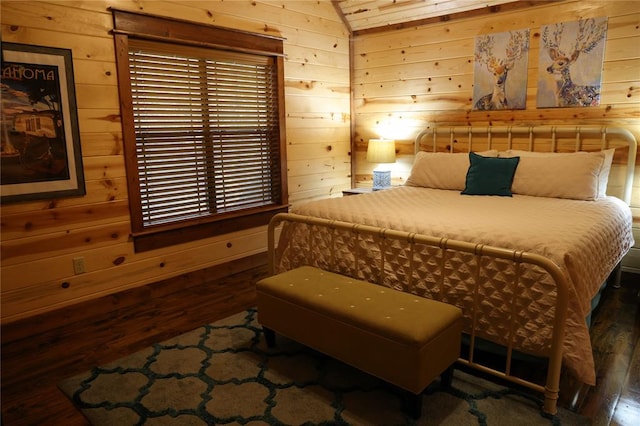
403	339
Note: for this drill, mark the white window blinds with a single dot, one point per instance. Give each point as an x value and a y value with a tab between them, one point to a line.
207	131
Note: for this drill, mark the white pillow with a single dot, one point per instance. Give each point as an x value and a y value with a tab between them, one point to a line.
576	175
442	170
604	172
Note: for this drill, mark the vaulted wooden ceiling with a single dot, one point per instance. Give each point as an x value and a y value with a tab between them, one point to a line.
374	15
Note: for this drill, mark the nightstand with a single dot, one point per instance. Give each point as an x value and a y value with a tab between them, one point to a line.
366	190
631	262
356	191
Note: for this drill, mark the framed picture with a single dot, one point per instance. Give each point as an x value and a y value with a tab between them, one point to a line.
570	63
500	70
41	156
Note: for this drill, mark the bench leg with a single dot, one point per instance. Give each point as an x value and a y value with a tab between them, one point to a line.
269	336
447	377
413	404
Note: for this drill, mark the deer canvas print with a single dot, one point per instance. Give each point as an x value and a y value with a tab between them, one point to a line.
500	70
571	58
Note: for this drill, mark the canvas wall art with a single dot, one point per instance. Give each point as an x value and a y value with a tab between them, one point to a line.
40	137
570	65
500	70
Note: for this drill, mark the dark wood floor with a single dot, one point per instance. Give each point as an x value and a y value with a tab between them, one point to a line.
40	351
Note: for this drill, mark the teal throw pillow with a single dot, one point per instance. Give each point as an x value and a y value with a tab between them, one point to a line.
490	175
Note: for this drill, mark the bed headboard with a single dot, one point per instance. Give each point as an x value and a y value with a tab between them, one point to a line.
541	139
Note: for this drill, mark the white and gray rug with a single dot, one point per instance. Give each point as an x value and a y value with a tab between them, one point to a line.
223	373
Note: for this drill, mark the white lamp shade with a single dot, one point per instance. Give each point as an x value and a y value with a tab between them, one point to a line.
381	151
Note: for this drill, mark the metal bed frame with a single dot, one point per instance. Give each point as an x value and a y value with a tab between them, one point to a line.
481	139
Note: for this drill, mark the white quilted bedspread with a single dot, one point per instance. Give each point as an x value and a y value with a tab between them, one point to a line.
585	238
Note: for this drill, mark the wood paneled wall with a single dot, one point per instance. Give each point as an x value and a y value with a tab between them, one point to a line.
405	80
40	239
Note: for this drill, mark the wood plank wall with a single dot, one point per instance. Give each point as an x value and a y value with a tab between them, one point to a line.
40	239
408	79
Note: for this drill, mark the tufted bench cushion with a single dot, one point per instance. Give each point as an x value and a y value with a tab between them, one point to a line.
401	338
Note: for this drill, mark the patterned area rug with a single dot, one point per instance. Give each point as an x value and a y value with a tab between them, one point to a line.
223	373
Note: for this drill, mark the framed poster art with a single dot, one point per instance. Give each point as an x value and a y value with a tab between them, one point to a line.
500	70
40	153
570	63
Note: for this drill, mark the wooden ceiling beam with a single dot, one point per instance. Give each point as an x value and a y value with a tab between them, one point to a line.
505	7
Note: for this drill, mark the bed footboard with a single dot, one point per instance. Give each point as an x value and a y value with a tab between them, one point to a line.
388	239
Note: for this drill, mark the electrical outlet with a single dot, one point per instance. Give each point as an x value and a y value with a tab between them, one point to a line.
78	265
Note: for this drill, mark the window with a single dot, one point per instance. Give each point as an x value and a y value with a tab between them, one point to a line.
202	128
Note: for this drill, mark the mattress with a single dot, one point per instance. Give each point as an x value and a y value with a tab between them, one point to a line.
586	239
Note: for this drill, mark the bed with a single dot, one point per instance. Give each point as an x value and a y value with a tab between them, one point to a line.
513	225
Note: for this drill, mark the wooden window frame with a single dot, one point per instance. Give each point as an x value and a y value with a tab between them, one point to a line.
141	26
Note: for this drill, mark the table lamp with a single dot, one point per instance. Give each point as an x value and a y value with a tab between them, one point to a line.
381	151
